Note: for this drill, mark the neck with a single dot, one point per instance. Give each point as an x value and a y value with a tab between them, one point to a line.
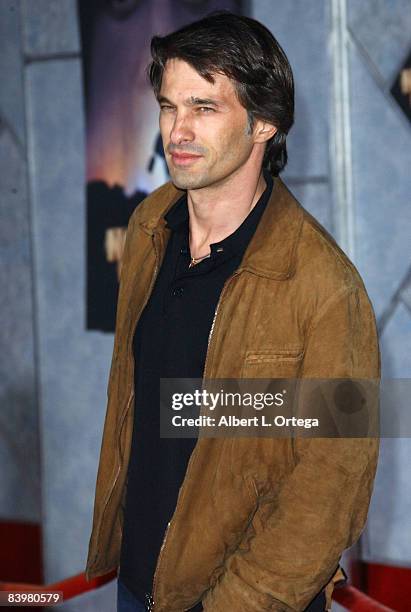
217	211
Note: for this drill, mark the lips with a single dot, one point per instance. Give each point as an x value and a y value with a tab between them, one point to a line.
183	159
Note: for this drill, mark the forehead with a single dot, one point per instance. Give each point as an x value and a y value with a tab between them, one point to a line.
181	79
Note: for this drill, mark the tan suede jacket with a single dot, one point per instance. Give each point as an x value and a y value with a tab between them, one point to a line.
260	523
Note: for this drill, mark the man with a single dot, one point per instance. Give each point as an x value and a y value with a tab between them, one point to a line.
225	275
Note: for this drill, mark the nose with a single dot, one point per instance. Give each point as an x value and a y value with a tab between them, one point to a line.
181	131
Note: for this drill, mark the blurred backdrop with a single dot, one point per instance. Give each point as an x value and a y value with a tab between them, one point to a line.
80	148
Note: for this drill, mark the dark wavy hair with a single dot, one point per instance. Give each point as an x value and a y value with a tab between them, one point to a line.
245	51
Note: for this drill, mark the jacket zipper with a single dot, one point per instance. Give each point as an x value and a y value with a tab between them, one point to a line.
109	494
151	606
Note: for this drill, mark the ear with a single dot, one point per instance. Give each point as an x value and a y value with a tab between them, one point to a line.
263	131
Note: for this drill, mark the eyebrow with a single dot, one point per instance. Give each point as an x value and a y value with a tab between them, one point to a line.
191	101
201	101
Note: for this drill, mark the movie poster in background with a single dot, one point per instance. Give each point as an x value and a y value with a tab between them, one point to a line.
125	158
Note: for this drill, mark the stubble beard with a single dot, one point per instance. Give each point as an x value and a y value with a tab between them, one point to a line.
184	178
188	180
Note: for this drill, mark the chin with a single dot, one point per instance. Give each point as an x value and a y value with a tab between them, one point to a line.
188	181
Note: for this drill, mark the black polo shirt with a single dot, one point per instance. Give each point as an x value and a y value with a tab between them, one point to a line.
170	341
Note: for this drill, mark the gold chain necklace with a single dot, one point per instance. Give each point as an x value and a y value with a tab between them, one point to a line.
196	260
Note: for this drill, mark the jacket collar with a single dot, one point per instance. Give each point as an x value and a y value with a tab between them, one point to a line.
271	252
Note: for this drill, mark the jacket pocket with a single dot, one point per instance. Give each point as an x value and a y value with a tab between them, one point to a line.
284	362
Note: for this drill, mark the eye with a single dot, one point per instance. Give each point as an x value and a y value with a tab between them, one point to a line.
166	108
205	109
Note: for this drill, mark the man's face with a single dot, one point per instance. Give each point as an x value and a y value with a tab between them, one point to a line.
203	126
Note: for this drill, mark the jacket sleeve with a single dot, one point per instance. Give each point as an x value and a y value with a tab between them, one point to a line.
322	505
